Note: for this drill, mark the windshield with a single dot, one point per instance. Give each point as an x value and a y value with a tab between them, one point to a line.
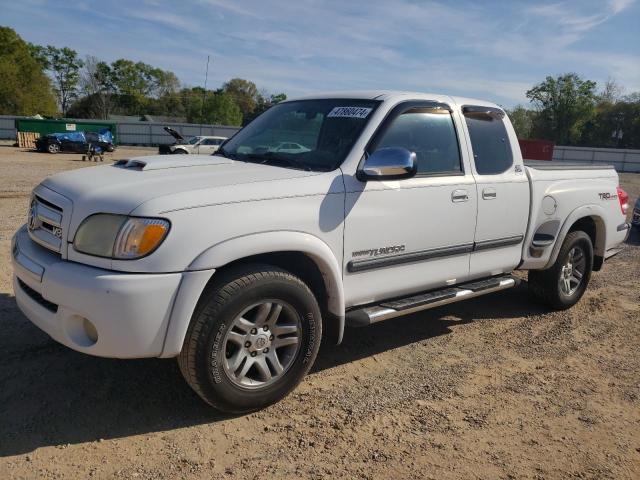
306	134
193	140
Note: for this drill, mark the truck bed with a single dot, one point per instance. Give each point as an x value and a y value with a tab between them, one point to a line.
546	165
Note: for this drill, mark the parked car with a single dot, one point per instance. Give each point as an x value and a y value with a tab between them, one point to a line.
77	142
239	263
200	144
636	214
290	147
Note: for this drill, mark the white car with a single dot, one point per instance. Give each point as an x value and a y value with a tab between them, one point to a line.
290	147
200	144
239	263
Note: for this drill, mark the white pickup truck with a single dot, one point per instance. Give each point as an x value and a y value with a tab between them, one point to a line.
240	262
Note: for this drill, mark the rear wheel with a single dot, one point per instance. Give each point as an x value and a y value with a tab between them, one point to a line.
564	283
254	336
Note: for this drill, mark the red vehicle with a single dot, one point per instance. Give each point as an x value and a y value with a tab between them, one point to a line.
536	149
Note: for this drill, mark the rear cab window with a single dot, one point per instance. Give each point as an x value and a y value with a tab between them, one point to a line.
492	153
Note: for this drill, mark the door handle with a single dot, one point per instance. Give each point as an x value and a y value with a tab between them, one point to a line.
459	196
489	194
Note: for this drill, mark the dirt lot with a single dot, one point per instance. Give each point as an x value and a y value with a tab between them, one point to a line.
493	388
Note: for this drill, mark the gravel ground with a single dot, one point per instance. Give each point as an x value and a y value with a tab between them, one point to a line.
496	387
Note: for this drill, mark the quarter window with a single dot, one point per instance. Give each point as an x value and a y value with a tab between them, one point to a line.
489	139
429	133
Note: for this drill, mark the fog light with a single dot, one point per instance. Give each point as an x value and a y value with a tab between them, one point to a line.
90	330
81	331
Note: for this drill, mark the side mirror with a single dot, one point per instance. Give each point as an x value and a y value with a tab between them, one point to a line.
389	164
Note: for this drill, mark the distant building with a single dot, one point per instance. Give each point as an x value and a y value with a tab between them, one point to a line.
147	118
124	118
162	119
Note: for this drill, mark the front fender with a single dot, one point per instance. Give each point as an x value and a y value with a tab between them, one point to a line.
281	241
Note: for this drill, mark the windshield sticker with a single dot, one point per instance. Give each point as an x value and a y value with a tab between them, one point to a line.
349	112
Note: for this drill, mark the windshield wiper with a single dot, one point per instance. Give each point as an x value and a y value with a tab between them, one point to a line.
223	153
270	157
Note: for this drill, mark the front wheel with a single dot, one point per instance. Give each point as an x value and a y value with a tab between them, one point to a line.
254	335
564	283
53	148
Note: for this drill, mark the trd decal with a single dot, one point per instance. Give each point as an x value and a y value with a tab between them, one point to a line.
607	196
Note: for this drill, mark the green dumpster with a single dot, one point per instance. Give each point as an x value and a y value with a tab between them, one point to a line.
45	127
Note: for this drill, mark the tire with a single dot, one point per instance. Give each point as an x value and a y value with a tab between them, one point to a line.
562	285
180	152
227	331
53	148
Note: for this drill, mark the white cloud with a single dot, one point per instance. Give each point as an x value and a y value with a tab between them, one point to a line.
571	16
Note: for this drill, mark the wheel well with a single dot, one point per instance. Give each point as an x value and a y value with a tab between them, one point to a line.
303	267
590	226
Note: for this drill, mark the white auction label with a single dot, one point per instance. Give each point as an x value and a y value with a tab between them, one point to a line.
349	112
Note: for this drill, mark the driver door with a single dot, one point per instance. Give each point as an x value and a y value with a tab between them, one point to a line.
415	234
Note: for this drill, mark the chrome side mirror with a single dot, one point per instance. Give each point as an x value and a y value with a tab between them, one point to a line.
389	164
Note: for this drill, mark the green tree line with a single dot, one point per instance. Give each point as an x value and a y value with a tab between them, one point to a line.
569	110
55	81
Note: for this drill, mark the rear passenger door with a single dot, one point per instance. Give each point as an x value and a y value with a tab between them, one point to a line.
208	146
414	234
502	189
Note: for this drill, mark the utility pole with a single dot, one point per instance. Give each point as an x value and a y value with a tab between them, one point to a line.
204	94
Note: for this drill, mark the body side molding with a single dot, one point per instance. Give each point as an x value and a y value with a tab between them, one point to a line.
355	266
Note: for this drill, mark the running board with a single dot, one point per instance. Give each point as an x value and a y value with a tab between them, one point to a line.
362	317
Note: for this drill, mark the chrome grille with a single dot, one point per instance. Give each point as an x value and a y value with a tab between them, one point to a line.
44	223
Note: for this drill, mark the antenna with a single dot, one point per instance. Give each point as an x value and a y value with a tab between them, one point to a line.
204	95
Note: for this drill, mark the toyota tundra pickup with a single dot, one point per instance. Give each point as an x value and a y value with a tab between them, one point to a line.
239	263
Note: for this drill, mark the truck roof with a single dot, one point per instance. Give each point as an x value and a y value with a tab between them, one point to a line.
395	95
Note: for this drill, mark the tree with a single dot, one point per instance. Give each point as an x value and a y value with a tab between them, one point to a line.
24	87
564	104
221	109
64	66
137	86
265	102
163	82
522	120
96	89
615	125
611	92
245	93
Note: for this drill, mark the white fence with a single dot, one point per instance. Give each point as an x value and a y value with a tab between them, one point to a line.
622	160
137	133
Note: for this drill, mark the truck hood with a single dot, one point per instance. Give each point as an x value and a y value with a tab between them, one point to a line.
181	181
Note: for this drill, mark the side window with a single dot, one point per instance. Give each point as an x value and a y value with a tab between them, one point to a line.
489	140
430	133
210	141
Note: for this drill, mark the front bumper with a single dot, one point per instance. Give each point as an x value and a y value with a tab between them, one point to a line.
96	311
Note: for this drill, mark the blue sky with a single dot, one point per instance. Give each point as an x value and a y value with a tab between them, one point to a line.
488	49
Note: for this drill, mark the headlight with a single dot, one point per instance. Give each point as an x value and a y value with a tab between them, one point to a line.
119	236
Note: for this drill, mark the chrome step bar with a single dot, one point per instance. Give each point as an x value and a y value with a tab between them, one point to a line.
362	317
